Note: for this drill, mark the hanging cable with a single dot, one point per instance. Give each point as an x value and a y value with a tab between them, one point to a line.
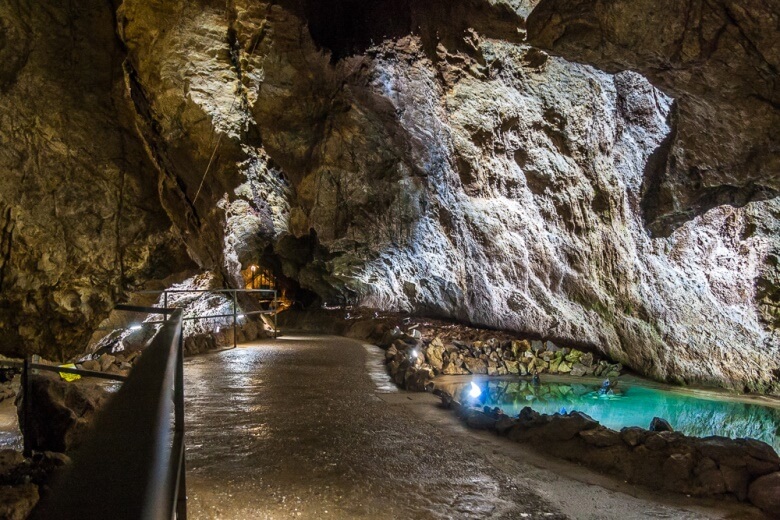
216	147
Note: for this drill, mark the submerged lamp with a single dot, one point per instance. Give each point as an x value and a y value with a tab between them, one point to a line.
475	391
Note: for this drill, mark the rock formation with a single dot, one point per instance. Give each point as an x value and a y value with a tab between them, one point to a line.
80	219
719	60
415	156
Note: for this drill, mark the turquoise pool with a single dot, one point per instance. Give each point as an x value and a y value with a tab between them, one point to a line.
632	404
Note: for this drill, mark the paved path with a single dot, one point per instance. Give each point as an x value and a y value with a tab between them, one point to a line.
309	427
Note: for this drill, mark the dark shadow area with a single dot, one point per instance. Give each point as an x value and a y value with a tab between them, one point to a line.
349	27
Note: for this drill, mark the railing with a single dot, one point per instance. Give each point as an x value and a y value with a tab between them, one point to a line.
273	301
133	466
28	367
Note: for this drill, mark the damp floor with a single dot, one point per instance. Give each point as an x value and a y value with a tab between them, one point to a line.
310	427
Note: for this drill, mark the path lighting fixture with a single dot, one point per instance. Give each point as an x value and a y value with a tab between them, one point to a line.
475	391
135	327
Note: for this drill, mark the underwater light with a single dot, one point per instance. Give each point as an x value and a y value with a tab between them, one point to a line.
475	390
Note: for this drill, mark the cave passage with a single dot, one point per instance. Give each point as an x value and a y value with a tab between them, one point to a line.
312	427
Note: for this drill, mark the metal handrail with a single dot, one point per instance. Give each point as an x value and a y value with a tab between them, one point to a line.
235	314
27	367
132	467
61	370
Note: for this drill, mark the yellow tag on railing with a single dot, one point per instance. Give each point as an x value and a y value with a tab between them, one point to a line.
69	377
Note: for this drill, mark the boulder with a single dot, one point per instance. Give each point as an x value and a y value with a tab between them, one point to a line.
737	480
677	470
534	427
106	360
91	364
16	502
390	352
453	368
758	458
587	359
60	412
764	492
504	424
601	437
578	370
574	356
660	425
435	354
480	421
520	346
417	378
634	436
389	337
475	365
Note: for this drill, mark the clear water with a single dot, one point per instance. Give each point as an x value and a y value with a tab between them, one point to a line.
633	405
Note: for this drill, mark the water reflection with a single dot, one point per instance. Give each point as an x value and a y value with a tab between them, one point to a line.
633	405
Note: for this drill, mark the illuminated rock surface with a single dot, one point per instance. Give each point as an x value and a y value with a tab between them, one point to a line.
434	164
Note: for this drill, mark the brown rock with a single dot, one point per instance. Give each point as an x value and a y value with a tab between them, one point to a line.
475	366
736	480
60	412
764	492
601	437
16	502
91	364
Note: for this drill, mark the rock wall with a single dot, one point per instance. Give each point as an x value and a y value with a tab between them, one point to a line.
719	60
438	164
80	221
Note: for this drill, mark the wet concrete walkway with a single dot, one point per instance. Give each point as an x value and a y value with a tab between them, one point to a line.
309	427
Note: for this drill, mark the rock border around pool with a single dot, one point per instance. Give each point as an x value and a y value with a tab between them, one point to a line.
710	466
413	360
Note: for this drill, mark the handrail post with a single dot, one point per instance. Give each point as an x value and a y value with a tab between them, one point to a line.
165	302
276	313
235	320
26	397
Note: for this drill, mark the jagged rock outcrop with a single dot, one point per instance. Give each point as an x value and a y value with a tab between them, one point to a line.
420	156
719	59
80	219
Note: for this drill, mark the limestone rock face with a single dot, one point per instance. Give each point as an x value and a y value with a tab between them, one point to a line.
80	219
719	60
425	158
477	178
